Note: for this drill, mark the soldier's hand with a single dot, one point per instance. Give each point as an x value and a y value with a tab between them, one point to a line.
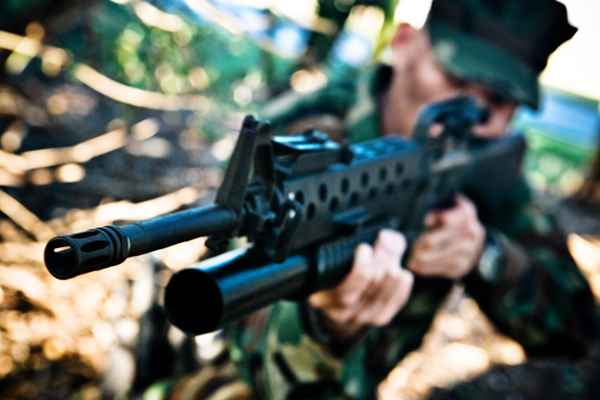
453	243
372	293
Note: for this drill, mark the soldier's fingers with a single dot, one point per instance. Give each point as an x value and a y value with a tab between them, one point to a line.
443	254
388	289
431	219
442	236
459	215
323	298
377	298
467	205
401	295
437	252
361	274
436	239
394	296
390	243
355	308
341	315
350	290
435	262
457	269
364	285
380	264
458	261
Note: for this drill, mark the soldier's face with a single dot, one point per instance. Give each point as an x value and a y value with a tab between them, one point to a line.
420	80
436	84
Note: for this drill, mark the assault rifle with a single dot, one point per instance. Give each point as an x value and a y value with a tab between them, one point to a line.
304	203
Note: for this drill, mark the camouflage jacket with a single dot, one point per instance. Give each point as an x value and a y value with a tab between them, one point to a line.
526	281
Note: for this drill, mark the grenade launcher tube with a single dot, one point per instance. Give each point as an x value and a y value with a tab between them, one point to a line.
95	249
203	298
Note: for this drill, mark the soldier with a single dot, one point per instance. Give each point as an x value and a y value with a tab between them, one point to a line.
342	342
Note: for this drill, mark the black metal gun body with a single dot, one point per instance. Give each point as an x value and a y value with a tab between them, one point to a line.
304	203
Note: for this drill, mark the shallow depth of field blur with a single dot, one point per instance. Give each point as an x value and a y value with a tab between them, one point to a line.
123	110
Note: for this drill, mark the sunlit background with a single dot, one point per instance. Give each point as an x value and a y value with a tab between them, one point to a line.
123	110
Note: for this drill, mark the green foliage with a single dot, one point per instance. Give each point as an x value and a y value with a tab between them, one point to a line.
232	71
195	59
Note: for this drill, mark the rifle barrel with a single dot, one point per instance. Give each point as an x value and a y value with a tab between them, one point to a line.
73	255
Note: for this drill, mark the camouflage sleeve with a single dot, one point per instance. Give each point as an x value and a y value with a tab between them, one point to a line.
531	288
284	353
280	360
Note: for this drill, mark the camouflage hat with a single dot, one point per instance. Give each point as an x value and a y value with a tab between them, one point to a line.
502	44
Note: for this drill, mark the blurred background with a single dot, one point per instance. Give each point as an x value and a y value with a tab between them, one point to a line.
123	110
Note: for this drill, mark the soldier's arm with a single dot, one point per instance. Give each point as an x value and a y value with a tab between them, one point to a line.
529	285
